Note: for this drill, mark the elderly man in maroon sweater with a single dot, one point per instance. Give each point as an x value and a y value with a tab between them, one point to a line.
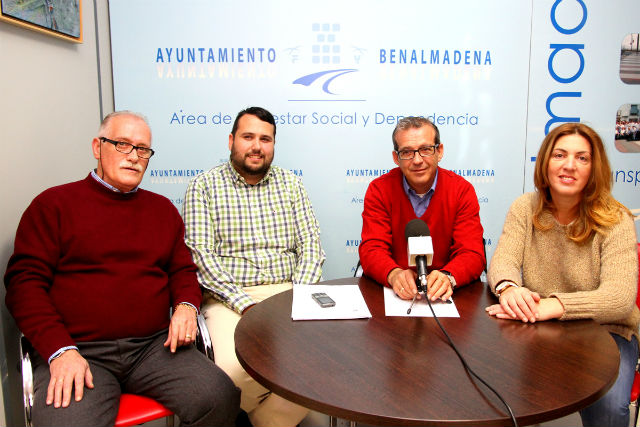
96	267
418	188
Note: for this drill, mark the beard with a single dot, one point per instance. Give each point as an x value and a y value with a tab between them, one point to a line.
242	163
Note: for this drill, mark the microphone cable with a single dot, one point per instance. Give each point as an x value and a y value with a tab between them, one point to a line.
466	366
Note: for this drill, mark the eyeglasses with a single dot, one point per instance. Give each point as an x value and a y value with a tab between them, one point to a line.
126	148
423	151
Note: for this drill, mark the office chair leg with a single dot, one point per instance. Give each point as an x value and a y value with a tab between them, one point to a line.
333	422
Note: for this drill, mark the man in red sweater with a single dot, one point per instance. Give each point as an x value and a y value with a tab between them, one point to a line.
96	267
418	188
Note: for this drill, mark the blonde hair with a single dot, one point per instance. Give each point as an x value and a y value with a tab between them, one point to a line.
598	209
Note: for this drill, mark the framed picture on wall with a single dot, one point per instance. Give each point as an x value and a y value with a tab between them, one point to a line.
59	18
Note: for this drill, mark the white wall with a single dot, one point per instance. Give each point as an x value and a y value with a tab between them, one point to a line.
50	110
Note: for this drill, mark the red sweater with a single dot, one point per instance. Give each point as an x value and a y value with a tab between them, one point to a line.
91	264
452	216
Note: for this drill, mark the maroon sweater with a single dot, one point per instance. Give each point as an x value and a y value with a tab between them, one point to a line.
91	264
453	217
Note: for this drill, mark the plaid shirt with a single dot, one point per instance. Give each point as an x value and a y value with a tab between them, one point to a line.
245	235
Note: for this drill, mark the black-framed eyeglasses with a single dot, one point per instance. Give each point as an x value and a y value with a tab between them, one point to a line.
423	151
126	148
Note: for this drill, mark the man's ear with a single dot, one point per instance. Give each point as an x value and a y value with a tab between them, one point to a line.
230	141
440	151
95	147
395	158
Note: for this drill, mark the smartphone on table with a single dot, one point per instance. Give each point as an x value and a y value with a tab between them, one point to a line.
323	299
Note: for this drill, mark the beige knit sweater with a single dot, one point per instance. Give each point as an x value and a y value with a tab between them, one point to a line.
596	280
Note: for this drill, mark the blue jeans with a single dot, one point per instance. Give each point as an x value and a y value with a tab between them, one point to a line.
612	409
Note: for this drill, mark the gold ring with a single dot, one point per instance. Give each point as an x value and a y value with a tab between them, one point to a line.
188	336
60	380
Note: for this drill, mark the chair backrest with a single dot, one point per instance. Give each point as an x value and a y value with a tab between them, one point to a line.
27	378
484	250
203	339
358	271
638	294
635	388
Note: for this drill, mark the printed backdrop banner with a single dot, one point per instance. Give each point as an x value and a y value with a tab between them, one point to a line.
338	75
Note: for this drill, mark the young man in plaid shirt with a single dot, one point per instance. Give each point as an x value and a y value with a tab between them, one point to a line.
252	232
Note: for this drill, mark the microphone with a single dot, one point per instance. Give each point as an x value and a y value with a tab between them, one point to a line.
419	249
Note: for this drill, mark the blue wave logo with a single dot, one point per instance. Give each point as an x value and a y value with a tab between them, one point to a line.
331	75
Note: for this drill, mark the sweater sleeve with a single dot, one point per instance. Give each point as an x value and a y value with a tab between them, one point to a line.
466	259
30	275
375	249
506	263
182	272
614	299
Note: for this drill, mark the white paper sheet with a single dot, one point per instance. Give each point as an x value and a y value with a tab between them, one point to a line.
349	303
395	306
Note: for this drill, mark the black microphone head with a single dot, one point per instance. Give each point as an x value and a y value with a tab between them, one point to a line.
416	227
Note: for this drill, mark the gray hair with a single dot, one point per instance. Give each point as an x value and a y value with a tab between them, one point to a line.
413	122
108	117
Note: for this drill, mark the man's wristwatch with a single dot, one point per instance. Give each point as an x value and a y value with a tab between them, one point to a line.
450	277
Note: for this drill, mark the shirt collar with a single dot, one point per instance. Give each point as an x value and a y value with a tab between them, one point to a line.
95	176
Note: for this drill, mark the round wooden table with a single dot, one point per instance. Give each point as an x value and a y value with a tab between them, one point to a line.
402	371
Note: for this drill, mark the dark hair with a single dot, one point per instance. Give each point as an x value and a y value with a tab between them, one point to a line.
260	113
413	122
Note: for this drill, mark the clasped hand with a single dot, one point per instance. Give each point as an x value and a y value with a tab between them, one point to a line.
519	303
403	283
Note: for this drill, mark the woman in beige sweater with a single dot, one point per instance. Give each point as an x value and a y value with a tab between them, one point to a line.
569	251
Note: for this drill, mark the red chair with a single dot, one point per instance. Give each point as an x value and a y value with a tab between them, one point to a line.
134	409
635	388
